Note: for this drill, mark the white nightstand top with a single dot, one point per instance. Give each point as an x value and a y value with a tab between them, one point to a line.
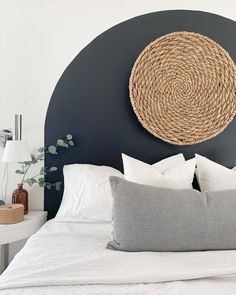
18	231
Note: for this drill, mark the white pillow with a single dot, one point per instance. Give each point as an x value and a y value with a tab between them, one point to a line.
87	194
213	177
169	162
178	177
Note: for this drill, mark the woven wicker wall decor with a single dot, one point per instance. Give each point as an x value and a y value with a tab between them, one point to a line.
183	88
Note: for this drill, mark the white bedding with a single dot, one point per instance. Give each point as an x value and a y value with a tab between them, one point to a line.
71	258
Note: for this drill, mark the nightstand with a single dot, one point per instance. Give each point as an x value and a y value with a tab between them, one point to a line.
15	232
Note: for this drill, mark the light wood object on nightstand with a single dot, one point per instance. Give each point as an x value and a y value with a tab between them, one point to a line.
11	213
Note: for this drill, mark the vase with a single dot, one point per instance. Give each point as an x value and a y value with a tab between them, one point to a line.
20	196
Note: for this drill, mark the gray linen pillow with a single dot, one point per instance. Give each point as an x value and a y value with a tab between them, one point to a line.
149	218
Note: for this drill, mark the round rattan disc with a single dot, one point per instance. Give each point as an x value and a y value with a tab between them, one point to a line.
183	88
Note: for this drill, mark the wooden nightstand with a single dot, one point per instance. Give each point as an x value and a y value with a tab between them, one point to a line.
15	232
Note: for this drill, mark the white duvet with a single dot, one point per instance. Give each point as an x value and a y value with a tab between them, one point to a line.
71	258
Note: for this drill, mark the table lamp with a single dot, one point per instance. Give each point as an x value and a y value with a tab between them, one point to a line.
17	150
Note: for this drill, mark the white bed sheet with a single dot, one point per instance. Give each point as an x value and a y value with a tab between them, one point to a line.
71	258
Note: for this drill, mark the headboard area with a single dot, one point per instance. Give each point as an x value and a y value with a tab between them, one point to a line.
91	99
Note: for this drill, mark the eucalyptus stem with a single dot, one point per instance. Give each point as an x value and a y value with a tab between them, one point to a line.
35	175
25	170
61	143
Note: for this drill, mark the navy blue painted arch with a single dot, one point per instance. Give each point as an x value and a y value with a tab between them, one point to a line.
91	99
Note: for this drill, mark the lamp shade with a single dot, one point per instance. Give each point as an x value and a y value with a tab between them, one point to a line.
16	151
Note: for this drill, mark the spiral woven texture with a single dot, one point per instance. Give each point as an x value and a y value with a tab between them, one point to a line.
183	88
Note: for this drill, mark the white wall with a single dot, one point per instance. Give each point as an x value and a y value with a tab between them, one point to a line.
38	38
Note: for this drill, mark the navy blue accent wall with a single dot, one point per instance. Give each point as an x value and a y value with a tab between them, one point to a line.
91	99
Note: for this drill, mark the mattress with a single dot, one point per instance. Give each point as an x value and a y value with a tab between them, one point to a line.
71	258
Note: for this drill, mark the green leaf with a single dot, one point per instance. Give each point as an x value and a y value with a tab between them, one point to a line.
58	185
53	169
40	157
19	172
60	142
42	171
48	186
69	136
27	163
34	160
42	184
52	149
41	179
30	181
71	142
41	150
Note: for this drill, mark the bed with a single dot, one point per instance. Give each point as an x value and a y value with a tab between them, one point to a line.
92	98
71	258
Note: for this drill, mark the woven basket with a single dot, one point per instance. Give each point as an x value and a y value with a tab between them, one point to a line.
11	213
183	88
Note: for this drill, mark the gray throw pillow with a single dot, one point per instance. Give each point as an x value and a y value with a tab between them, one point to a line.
149	218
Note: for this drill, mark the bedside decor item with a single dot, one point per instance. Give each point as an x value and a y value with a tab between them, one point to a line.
39	178
17	150
5	135
182	88
20	196
11	213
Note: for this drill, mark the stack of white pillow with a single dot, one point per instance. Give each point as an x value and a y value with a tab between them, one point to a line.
87	195
173	172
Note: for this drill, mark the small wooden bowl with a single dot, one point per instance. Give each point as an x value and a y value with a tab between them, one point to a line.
11	213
